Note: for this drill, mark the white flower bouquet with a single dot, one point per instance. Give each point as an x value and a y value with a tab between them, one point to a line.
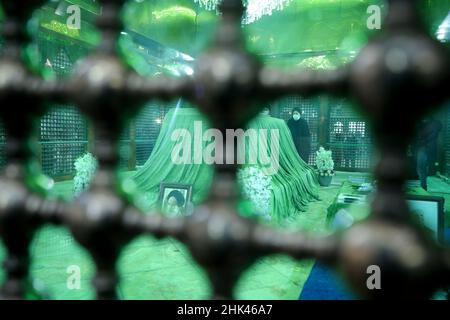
324	162
85	167
257	187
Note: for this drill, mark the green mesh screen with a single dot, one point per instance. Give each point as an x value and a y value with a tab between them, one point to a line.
148	126
349	138
63	130
62	64
63	139
56	56
124	148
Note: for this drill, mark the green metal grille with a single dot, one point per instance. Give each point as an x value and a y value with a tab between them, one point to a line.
148	126
63	139
62	63
124	148
349	138
63	131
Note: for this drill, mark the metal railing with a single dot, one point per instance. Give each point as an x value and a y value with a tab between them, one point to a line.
392	77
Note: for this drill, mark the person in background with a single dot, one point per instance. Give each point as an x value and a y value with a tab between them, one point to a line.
426	148
351	141
339	139
265	111
300	134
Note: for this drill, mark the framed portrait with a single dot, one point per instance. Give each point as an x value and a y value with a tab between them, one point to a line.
175	198
429	210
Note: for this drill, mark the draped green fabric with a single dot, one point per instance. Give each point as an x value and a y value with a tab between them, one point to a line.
160	167
294	184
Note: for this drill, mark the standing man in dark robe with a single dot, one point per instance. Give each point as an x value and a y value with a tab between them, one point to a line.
426	148
300	133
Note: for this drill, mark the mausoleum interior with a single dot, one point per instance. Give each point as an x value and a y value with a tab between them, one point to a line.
304	163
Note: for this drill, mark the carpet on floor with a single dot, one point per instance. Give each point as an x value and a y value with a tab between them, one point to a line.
325	284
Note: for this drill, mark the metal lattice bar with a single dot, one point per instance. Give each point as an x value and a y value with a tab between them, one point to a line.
226	83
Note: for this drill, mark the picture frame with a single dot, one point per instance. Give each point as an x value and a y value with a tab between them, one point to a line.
430	212
175	198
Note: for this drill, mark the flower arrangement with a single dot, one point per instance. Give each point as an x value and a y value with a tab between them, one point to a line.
85	167
324	162
257	187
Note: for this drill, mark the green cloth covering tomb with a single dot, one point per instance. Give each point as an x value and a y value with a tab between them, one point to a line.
293	185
